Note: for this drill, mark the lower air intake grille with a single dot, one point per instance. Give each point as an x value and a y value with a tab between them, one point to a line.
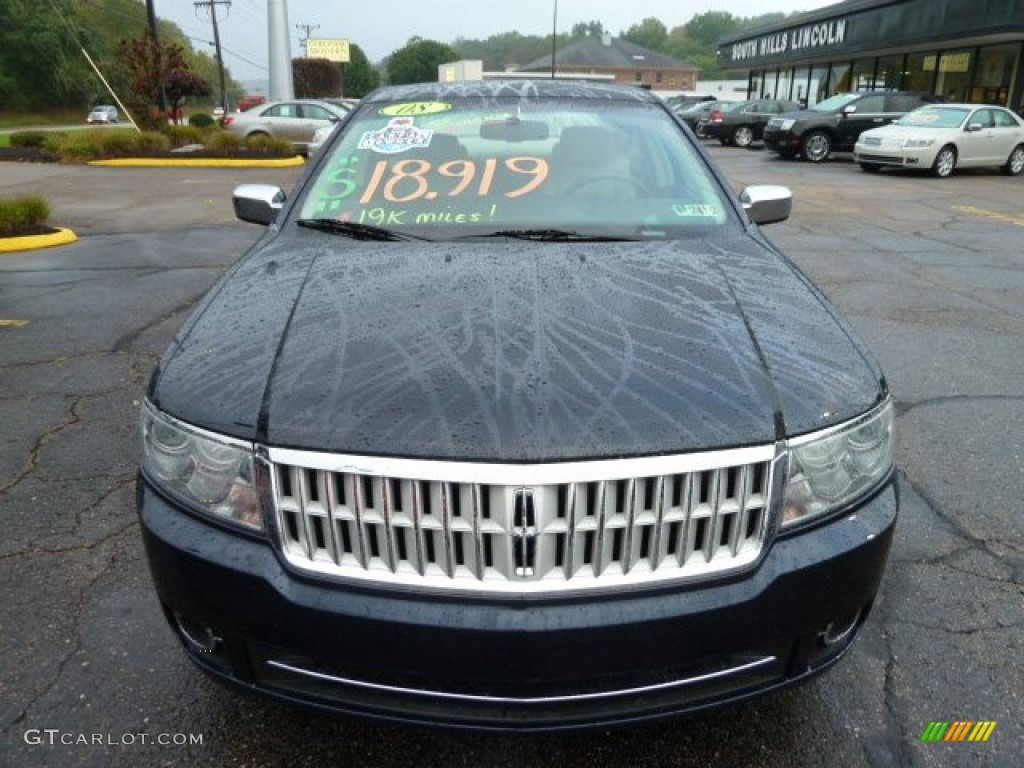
522	528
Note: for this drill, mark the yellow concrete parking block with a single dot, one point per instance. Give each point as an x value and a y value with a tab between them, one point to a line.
31	242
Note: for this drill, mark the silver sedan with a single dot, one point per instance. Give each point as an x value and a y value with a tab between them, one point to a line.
944	137
295	120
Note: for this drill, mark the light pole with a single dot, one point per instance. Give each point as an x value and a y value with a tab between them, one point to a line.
554	39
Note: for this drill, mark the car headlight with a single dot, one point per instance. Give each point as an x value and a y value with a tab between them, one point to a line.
785	125
918	143
832	469
216	476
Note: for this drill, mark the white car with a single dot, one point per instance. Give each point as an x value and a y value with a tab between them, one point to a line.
943	137
295	120
103	114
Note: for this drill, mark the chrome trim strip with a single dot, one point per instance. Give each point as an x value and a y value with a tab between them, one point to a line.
810	437
530	475
766	660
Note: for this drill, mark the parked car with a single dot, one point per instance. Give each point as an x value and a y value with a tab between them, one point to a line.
514	419
741	123
295	120
943	137
693	113
105	114
248	102
834	124
681	101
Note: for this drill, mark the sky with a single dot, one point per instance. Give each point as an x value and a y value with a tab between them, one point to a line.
381	27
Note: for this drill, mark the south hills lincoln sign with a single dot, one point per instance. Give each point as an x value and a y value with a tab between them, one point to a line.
824	35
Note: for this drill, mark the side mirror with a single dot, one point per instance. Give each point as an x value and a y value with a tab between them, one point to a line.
258	203
767	203
974	127
850	109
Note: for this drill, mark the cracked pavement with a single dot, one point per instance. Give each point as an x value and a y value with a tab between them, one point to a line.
935	288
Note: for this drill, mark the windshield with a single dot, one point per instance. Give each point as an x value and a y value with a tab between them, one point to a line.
935	117
836	102
462	167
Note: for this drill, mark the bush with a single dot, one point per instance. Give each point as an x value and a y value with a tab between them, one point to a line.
268	145
151	143
31	139
223	141
201	120
22	213
182	135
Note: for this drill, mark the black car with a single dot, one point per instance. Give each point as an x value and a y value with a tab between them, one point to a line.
682	101
741	123
513	419
693	114
835	123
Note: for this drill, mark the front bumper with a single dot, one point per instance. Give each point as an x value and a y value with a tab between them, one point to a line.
783	142
505	663
902	158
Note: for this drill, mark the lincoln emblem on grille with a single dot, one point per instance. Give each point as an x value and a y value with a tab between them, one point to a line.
524	532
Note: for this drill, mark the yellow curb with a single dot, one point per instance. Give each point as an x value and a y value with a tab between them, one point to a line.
29	242
198	162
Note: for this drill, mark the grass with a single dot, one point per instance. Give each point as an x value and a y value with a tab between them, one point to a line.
5	140
60	117
22	213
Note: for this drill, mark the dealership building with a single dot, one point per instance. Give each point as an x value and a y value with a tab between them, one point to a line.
964	50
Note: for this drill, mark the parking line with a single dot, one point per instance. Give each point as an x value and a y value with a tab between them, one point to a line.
12	323
1017	221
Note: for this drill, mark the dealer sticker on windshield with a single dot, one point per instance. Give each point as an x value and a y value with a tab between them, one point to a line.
399	135
413	108
700	211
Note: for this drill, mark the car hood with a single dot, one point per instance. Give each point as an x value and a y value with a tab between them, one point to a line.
513	351
907	132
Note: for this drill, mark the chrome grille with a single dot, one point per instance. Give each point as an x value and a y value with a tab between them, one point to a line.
522	528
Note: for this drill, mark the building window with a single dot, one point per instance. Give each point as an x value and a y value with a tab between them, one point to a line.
659	77
954	74
920	73
800	87
890	73
838	80
639	77
863	76
994	76
819	84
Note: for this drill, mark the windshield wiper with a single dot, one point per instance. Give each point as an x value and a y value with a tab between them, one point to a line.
556	235
355	230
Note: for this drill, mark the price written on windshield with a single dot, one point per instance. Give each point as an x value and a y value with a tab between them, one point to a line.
409	180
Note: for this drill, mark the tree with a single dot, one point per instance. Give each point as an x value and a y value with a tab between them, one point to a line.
706	29
649	33
359	75
316	78
152	67
418	61
587	29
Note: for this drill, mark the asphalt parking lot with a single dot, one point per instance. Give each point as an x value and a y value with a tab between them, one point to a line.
930	272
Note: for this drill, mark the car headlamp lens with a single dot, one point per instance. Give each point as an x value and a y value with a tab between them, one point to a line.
830	471
918	143
785	125
216	477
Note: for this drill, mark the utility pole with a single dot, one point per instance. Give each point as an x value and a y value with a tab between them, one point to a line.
304	42
151	15
212	5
